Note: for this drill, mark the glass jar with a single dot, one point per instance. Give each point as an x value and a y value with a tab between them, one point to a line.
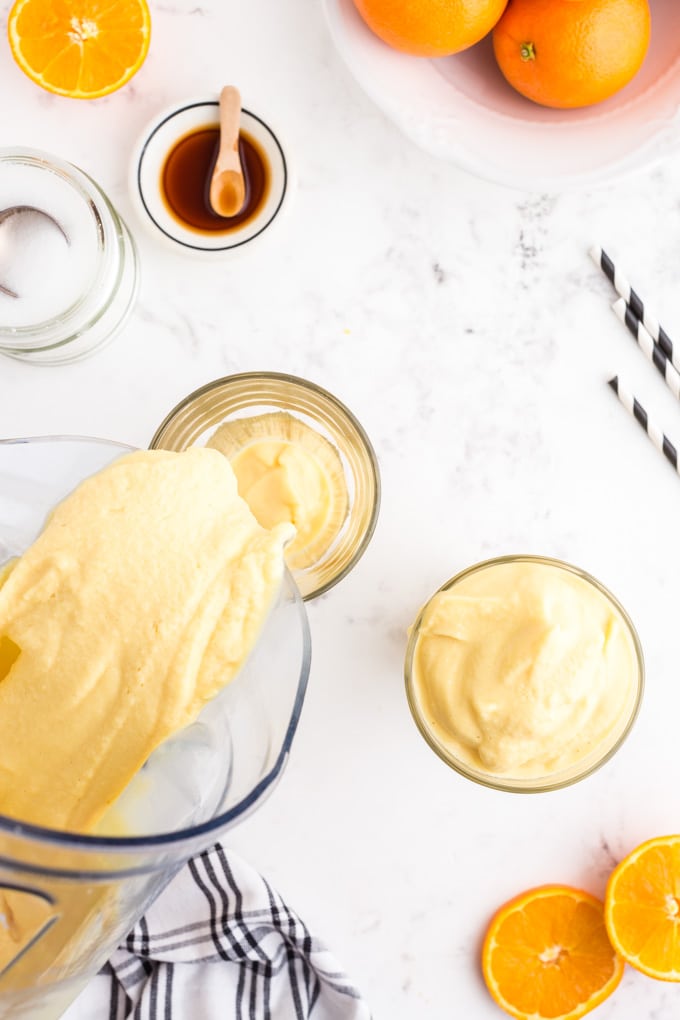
194	420
75	258
578	761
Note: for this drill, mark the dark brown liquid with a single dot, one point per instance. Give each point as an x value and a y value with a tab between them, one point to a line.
185	181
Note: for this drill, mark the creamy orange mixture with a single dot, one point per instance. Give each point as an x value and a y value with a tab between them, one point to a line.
287	471
523	669
138	602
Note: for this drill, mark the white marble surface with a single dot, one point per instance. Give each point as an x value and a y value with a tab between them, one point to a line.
466	327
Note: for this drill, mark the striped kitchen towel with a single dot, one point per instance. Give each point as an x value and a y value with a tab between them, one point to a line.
220	944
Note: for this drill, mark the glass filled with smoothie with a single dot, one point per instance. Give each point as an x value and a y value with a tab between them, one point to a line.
524	673
300	456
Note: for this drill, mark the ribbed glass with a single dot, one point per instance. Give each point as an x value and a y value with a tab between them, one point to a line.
196	417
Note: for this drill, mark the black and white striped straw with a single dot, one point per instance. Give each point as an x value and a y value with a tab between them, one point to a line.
634	407
646	344
635	303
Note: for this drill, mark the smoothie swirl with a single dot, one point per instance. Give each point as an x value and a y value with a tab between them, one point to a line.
523	669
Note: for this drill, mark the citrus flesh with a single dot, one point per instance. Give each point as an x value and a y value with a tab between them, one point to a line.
83	49
642	908
546	955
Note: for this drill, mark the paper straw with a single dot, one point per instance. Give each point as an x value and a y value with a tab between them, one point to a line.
635	303
646	344
634	407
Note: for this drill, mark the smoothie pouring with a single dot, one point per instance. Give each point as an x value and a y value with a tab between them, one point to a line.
139	601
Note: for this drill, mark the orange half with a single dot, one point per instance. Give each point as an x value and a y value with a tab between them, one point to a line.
546	955
642	908
79	48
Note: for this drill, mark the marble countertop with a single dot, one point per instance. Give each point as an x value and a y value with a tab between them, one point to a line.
466	327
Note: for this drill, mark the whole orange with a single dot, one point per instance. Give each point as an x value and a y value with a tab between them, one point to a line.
568	53
431	28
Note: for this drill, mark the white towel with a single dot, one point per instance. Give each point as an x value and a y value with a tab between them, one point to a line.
220	944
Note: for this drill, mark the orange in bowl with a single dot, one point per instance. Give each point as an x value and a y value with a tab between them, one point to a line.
546	955
79	48
571	53
431	28
642	908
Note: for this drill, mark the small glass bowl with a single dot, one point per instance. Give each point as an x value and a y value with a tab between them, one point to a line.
195	419
556	780
146	171
107	254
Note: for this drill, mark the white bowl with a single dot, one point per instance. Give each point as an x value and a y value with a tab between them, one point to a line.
146	167
461	109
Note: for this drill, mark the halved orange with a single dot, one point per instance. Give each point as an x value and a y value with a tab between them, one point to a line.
79	48
642	908
546	955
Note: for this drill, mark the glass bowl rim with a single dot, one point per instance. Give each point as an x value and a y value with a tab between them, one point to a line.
171	840
305	384
533	784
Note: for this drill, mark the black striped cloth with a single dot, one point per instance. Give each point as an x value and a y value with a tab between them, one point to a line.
220	944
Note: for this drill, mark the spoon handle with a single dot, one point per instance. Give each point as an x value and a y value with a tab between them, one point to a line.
230	118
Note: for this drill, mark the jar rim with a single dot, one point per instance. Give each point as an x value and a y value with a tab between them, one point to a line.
113	244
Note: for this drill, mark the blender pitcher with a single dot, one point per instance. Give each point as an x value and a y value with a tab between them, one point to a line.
67	900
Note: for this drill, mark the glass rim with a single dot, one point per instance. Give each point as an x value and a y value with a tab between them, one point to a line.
238	379
557	780
83	842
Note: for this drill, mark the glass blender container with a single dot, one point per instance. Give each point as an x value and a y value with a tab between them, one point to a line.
67	900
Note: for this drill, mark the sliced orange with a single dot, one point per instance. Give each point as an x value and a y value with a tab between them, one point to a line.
546	955
642	908
79	48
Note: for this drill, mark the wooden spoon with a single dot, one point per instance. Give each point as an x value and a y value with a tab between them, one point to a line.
227	187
